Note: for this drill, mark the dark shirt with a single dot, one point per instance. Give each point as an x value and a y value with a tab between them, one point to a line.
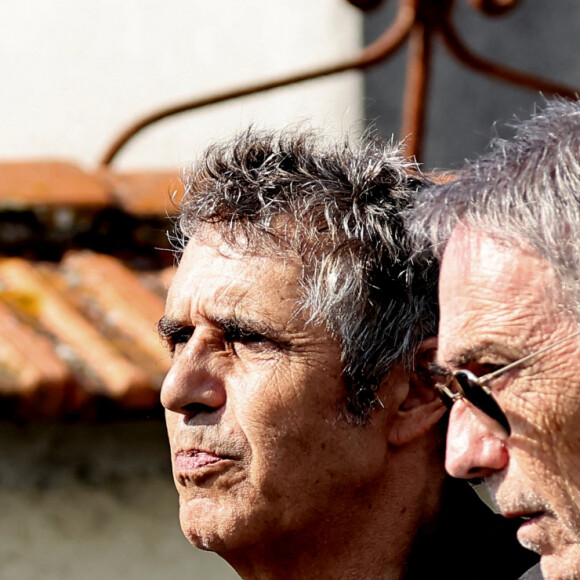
469	542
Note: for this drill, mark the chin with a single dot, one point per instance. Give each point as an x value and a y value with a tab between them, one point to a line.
207	542
562	566
215	528
204	535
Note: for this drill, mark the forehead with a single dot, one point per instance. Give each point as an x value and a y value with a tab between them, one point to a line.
491	292
214	276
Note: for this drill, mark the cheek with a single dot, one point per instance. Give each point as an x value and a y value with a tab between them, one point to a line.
290	441
547	414
286	398
280	429
548	442
567	447
290	418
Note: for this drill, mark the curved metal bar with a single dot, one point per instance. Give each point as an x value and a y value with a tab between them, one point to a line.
383	47
494	7
416	88
511	75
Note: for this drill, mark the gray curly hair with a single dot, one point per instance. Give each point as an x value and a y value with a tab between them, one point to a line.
339	208
525	191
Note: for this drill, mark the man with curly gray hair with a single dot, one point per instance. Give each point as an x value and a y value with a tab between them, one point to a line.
508	231
302	418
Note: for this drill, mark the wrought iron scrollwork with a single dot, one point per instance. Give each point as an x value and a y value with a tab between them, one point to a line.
417	21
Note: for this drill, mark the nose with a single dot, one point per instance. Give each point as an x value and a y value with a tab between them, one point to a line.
193	383
475	443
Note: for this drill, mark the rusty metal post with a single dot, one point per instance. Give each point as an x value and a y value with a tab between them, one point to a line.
418	74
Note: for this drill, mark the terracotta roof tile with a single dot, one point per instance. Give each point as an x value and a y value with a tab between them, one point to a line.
83	278
145	193
42	184
50	183
121	303
29	367
79	330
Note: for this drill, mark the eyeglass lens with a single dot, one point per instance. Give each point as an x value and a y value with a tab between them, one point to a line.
481	397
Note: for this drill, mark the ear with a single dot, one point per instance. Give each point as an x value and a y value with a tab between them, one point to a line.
420	408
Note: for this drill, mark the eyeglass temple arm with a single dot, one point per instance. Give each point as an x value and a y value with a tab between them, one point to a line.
481	381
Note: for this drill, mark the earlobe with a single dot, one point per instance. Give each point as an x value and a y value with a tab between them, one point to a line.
421	408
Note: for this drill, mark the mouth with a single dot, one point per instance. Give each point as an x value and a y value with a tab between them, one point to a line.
195	460
524	516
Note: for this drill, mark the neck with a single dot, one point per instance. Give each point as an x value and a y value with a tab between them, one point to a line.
369	534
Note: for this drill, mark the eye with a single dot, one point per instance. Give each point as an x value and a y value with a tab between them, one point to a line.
177	339
236	336
483	370
487	368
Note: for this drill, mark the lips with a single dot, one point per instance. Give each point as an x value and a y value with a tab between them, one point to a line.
192	460
524	516
532	534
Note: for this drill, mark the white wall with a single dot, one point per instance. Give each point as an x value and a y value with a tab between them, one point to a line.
93	502
75	74
125	531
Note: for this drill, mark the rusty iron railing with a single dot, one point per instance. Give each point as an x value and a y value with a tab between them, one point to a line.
417	21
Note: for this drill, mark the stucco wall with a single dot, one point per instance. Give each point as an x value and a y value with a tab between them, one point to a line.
77	73
538	37
87	502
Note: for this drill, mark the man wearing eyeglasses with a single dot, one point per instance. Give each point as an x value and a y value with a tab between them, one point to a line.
509	346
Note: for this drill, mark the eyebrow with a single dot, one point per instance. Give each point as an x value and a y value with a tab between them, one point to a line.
475	353
235	321
439	372
168	326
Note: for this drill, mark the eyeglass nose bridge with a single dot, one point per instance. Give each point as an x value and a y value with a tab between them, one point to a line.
448	397
480	396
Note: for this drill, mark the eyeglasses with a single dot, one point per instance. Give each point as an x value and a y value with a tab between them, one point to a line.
464	384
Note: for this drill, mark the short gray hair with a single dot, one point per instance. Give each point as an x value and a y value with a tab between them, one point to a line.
525	191
340	208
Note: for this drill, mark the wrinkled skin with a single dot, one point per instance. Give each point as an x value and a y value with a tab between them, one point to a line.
261	456
498	304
